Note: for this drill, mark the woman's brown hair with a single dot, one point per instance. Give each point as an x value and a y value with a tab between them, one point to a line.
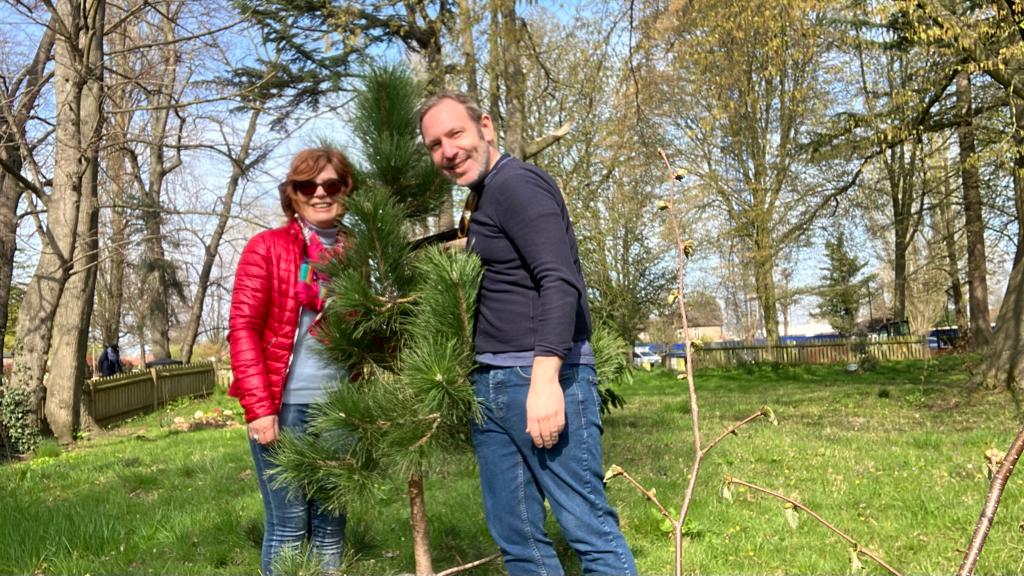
306	165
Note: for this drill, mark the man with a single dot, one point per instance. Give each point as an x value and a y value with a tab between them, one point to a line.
110	361
540	436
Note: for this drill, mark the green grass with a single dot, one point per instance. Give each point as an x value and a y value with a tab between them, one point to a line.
895	458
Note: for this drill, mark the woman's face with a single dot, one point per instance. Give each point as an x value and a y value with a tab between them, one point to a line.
320	201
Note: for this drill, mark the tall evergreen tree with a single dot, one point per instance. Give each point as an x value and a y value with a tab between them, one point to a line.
841	289
401	322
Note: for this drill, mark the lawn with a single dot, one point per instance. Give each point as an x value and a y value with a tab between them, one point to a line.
893	457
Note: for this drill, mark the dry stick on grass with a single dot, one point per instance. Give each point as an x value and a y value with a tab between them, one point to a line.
472	564
988	511
820	520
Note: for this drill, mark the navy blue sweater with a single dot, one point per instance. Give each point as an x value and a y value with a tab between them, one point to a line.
532	296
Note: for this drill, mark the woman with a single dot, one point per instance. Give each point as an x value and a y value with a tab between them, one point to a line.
277	298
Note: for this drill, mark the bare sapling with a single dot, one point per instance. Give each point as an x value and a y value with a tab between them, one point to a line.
684	250
1001	466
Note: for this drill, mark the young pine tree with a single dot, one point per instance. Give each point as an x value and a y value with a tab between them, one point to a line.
399	321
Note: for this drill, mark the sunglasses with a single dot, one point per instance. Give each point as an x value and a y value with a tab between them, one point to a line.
467	213
307	188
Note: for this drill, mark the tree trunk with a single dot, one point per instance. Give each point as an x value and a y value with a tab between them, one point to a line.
901	228
12	126
238	169
899	272
494	72
10	195
74	40
71	321
901	169
159	271
110	295
977	272
68	369
947	229
156	279
515	80
1004	361
112	300
466	21
1018	174
420	532
764	285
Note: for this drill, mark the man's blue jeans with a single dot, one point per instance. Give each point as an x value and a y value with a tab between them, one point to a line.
516	477
291	521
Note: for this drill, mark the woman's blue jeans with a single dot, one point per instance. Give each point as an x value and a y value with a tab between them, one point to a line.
516	477
292	521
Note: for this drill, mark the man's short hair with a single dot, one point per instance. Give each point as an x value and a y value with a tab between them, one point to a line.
476	114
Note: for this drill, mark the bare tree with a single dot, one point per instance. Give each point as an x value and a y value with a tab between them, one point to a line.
241	161
20	96
121	97
52	300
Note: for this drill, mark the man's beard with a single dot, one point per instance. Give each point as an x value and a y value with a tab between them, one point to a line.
485	162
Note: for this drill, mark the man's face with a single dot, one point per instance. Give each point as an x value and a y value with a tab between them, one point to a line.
461	148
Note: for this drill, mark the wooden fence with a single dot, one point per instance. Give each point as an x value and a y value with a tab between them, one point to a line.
809	352
117	397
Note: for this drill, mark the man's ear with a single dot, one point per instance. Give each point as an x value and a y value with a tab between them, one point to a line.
487	128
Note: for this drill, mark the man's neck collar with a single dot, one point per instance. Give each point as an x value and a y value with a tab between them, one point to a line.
502	158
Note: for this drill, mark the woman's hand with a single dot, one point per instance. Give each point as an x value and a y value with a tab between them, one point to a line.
264	429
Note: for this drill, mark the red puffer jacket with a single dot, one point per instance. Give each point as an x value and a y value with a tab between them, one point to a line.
264	318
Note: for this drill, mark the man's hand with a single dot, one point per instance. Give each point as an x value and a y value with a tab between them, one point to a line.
264	430
545	403
458	244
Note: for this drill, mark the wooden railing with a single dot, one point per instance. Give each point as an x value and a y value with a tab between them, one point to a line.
811	352
118	397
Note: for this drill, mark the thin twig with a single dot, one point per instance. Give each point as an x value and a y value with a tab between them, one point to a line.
988	511
437	420
820	520
472	564
732	429
389	301
649	494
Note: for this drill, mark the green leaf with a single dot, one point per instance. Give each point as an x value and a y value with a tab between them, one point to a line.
792	516
613	471
727	491
666	525
856	566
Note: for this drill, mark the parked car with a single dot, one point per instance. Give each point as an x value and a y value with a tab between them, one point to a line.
641	357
